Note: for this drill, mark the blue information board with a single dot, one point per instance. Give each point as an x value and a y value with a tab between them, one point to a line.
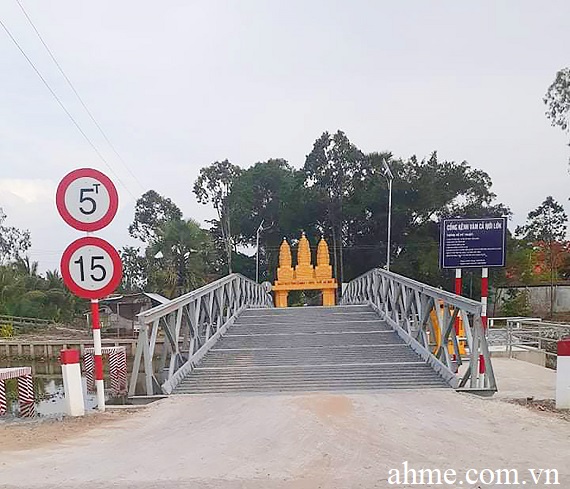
473	243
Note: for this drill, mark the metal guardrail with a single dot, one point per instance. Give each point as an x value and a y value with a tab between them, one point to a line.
491	321
191	324
412	308
540	336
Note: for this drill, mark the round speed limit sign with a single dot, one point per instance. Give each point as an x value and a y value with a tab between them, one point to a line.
87	199
91	268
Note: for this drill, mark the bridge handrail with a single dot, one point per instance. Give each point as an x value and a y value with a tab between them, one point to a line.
191	324
425	318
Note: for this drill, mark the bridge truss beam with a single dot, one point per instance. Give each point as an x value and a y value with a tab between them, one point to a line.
190	324
424	317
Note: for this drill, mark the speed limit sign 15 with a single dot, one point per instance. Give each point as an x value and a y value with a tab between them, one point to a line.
91	268
87	199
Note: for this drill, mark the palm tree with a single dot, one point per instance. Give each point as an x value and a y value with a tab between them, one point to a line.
183	250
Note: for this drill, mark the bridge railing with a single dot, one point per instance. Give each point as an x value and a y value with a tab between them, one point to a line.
425	318
190	325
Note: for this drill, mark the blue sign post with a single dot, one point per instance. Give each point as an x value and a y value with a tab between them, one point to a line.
473	243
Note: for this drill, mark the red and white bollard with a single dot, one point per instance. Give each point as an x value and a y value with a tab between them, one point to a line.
3	403
71	370
25	390
563	375
117	368
26	396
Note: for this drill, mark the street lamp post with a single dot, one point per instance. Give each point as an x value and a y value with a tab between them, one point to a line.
389	178
259	229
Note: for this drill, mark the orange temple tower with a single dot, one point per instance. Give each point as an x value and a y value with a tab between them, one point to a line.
304	276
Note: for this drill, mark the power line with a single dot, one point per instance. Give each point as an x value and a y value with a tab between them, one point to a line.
91	116
78	127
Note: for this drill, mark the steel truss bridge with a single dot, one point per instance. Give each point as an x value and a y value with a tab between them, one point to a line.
389	332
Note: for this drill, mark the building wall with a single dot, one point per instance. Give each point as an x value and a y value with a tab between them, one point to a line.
539	298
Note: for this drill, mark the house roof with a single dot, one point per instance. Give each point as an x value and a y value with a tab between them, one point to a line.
151	295
156	297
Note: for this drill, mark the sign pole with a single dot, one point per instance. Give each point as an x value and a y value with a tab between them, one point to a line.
98	357
91	268
458	291
484	296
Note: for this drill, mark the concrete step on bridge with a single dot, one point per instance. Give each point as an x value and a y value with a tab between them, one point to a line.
389	332
309	349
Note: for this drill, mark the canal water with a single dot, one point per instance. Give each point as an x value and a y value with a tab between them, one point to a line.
48	389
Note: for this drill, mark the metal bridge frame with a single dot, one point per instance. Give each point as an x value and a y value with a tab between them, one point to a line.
191	324
408	307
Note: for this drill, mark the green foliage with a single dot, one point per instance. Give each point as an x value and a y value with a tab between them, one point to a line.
6	330
13	242
545	223
135	265
214	185
557	99
272	192
179	256
151	211
424	192
333	170
516	303
23	292
342	193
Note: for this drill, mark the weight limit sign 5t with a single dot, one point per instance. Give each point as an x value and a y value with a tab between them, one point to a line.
87	199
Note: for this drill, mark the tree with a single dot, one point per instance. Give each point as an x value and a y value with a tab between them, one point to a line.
214	185
546	223
180	257
557	100
271	191
424	192
13	242
332	168
135	267
151	211
545	228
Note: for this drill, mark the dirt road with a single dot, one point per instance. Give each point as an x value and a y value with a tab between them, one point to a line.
301	441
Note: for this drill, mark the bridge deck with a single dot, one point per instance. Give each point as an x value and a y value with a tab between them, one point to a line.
309	349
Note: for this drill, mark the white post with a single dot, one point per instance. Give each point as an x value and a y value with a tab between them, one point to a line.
71	370
563	375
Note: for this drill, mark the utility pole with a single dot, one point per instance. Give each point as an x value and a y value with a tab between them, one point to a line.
389	178
259	229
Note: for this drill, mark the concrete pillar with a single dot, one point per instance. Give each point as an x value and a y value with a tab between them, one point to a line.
281	298
74	403
329	297
563	375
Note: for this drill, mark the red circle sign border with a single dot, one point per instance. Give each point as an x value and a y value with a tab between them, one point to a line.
80	291
107	183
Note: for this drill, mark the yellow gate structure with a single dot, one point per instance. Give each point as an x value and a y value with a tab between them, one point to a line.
304	276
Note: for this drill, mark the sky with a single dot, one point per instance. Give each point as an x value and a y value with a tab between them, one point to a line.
177	85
